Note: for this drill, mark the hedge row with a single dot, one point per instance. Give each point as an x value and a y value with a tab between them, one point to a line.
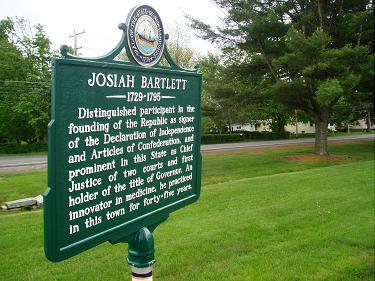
242	136
221	138
15	148
265	135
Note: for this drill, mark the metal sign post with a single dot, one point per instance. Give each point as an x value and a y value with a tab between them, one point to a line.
124	145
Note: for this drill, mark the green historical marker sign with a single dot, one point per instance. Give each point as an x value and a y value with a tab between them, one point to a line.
124	141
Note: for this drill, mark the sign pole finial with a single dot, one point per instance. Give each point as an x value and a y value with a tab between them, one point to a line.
141	254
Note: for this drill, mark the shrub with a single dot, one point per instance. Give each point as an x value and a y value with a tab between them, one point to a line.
15	148
221	138
265	135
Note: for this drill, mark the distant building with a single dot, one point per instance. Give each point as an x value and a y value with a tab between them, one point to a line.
302	128
361	125
262	126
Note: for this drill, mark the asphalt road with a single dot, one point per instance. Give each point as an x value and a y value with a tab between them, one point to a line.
291	142
14	161
41	160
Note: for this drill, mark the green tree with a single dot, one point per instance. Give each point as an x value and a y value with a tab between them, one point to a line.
24	80
219	94
318	76
232	97
306	55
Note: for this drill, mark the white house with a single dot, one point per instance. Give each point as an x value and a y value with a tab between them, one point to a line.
263	126
361	125
301	128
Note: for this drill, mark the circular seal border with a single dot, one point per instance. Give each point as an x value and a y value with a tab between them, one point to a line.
133	17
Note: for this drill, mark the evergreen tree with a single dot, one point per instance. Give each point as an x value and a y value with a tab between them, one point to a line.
306	55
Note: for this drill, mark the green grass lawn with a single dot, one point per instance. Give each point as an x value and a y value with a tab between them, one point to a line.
289	220
338	134
22	185
217	168
224	167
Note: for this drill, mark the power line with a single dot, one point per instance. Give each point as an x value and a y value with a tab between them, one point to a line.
24	87
25	82
25	93
27	87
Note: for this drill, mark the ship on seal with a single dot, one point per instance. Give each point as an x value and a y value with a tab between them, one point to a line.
146	40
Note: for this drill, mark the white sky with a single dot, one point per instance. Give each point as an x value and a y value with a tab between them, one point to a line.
100	19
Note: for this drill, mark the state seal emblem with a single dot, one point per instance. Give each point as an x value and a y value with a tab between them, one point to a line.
145	35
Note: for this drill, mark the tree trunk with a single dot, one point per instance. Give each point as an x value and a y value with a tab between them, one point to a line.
321	133
368	121
319	4
278	122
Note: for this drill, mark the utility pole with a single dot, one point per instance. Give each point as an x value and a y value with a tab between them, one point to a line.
75	47
177	47
295	112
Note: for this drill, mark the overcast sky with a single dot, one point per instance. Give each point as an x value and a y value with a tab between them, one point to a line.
100	19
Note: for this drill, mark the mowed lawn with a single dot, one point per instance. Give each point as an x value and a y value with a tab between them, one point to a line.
303	219
219	167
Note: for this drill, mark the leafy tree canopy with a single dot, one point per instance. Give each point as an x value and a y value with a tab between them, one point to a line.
24	80
305	55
